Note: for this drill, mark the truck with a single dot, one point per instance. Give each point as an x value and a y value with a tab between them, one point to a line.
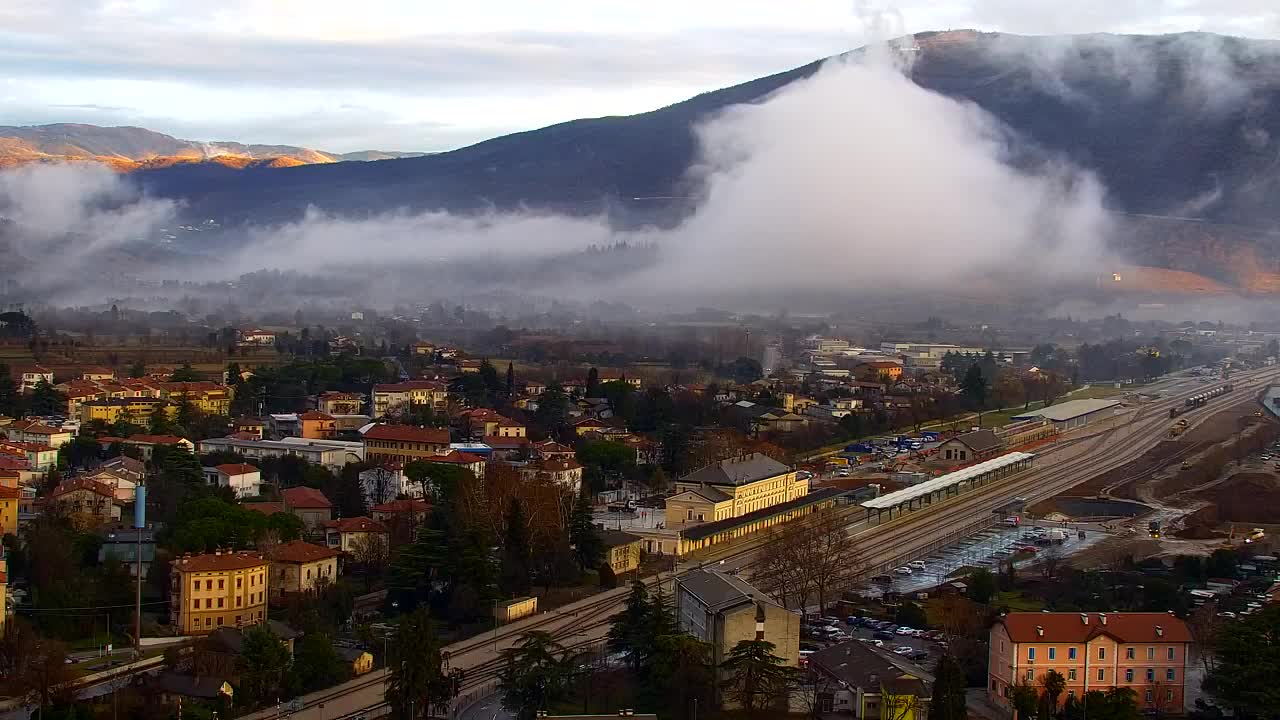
930	436
1153	528
860	448
1057	536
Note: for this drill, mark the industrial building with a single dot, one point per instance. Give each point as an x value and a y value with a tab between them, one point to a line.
947	485
1071	414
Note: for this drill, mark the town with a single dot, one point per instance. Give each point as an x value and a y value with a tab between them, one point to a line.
729	515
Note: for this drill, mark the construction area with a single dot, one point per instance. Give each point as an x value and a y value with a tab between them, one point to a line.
1207	484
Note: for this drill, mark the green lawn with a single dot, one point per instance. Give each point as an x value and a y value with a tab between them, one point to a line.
1016	601
1099	392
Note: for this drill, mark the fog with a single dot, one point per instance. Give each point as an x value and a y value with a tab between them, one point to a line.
854	182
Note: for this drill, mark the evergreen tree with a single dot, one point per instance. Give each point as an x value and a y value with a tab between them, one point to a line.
534	674
588	548
8	393
593	383
516	552
948	690
629	632
553	411
511	380
974	387
233	374
46	400
263	664
137	369
418	686
680	676
755	677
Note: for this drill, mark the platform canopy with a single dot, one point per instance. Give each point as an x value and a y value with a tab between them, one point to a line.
944	482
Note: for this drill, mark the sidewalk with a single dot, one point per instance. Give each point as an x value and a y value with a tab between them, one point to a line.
979	707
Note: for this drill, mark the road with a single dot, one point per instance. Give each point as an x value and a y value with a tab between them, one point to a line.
1072	461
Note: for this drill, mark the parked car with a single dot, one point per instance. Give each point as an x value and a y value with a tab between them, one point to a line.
904	630
917	565
919	656
883	635
1227	614
882	579
918	633
828	620
904	570
904	650
871	641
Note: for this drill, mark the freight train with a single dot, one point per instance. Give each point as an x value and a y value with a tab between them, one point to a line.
1204	397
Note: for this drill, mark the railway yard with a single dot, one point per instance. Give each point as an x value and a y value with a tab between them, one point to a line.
1125	461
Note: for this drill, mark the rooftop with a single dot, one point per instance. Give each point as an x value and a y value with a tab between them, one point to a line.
356	524
708	529
859	666
1069	410
300	551
719	591
236	469
219	561
407	433
980	440
305	498
737	471
1135	627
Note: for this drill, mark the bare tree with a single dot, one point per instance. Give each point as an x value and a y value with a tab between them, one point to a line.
1050	561
807	558
1204	625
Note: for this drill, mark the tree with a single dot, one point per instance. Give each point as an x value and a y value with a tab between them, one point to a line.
315	662
629	629
33	667
583	534
1025	700
614	460
1248	661
1054	685
982	586
9	399
948	690
46	400
517	558
137	369
534	674
184	374
744	370
755	677
974	388
263	665
680	675
593	383
553	411
511	380
418	686
911	615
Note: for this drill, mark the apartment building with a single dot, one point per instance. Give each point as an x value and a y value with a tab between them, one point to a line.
218	589
298	565
1144	652
404	443
394	397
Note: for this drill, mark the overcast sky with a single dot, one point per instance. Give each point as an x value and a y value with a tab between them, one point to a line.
345	75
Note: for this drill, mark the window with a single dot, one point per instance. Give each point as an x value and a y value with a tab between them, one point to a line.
1151	653
1031	653
1169	675
993	684
1128	676
1102	675
208	622
1168	694
1001	646
1128	653
221	583
1053	653
1071	693
195	604
1071	653
208	584
208	603
1151	675
1172	653
239	583
239	600
308	573
195	586
690	514
1031	674
1071	674
219	621
219	602
1102	653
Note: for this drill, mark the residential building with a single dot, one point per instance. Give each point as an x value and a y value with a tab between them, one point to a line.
209	398
853	679
879	369
392	398
218	589
969	447
756	418
474	463
90	503
97	374
314	425
172	687
244	480
28	376
146	444
333	454
10	497
37	433
354	535
1144	652
723	610
125	488
39	457
622	551
424	348
404	443
309	504
550	449
257	336
135	410
124	546
298	565
384	482
250	426
406	512
731	488
565	472
126	467
4	597
340	403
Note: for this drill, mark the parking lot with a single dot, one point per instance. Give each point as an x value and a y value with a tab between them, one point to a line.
924	652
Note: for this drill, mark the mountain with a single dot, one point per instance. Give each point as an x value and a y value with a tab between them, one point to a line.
132	148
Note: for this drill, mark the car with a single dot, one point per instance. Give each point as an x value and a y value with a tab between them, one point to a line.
904	570
904	630
883	635
804	655
919	656
916	565
852	621
1227	614
872	641
918	633
904	650
808	646
1029	549
828	620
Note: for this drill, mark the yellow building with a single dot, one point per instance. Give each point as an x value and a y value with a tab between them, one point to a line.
356	535
218	589
404	443
359	661
622	551
4	597
732	488
10	496
399	396
209	398
297	566
136	410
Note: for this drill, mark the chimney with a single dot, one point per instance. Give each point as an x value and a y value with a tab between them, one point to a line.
1040	630
1159	631
1103	618
1084	618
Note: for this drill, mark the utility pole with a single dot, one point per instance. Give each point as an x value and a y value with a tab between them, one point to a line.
139	523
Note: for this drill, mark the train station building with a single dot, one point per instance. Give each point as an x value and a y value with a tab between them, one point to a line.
1072	414
894	504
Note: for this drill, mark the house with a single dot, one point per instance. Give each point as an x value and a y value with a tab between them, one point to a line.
250	426
381	483
243	479
1145	652
39	457
969	447
340	403
333	454
217	589
551	450
474	463
854	680
309	504
723	610
403	443
172	687
91	503
282	425
765	418
608	377
315	425
266	508
352	535
209	398
395	397
4	596
125	544
10	498
125	488
298	565
731	488
147	443
505	448
37	433
879	369
257	336
565	472
28	376
97	374
412	511
357	660
424	348
133	410
126	467
228	640
622	551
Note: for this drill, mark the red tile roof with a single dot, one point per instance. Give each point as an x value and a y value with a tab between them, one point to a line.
237	469
36	428
408	433
266	508
9	493
455	458
305	498
552	465
74	484
300	551
29	447
13	462
154	439
1135	627
356	524
504	442
315	415
403	505
211	562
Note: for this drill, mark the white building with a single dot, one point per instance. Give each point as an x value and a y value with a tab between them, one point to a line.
332	454
244	480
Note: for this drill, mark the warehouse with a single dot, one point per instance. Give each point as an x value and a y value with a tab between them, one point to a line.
1072	414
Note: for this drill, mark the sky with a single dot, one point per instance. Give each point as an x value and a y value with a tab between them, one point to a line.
430	75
